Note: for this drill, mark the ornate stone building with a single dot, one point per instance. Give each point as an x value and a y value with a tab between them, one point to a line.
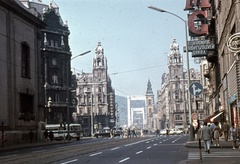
96	97
172	99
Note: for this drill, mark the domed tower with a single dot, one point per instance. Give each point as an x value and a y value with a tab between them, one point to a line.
149	104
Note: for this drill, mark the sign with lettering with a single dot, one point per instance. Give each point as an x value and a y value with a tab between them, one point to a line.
200	47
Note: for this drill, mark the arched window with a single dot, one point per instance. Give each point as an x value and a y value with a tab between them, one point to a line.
56	97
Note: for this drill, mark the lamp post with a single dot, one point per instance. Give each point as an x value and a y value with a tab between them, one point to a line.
68	121
188	72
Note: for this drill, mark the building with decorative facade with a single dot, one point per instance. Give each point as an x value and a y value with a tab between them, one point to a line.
96	97
172	104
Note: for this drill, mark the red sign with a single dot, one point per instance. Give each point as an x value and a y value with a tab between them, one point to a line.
194	116
191	4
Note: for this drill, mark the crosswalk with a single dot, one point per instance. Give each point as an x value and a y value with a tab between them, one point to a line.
221	154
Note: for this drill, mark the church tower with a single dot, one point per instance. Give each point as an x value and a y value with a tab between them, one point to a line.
149	105
177	83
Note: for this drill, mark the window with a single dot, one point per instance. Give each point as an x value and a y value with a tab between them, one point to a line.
100	110
55	78
178	117
25	60
149	102
54	61
56	44
52	43
26	103
56	97
150	110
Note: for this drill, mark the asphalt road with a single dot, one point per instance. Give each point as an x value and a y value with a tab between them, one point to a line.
163	149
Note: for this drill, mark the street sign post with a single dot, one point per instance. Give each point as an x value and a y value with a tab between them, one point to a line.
195	89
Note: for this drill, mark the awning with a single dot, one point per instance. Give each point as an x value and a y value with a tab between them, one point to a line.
208	119
216	116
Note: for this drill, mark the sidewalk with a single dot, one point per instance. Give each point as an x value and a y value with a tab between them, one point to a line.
222	143
36	144
225	145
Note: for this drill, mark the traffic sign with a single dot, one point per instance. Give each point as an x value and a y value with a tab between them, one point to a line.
195	89
194	116
195	124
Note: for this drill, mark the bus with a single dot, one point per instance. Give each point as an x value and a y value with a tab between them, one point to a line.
61	132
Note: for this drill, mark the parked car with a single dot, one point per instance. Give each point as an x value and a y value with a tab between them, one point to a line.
178	131
163	131
171	132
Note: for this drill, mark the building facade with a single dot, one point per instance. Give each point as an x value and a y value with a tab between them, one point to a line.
96	97
20	41
222	68
172	100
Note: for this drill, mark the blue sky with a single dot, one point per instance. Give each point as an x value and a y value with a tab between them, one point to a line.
135	39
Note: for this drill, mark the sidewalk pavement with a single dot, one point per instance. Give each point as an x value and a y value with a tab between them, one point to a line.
36	144
222	144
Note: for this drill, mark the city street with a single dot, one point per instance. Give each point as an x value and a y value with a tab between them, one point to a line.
163	149
167	149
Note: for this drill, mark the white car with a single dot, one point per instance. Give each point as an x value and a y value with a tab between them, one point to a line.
171	132
178	131
163	132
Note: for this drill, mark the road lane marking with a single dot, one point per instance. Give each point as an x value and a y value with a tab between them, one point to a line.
149	147
139	152
176	139
70	161
155	145
124	159
137	142
160	142
95	154
147	142
115	148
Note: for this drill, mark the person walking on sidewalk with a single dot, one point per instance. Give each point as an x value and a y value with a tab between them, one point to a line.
216	134
233	136
205	135
225	129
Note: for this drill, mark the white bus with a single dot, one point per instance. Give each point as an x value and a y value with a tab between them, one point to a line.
61	132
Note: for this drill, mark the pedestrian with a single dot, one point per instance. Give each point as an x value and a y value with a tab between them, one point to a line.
31	136
134	132
233	136
225	129
51	136
129	132
216	134
46	135
212	126
157	132
205	135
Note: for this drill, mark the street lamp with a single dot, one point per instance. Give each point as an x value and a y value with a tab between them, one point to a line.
68	121
188	72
